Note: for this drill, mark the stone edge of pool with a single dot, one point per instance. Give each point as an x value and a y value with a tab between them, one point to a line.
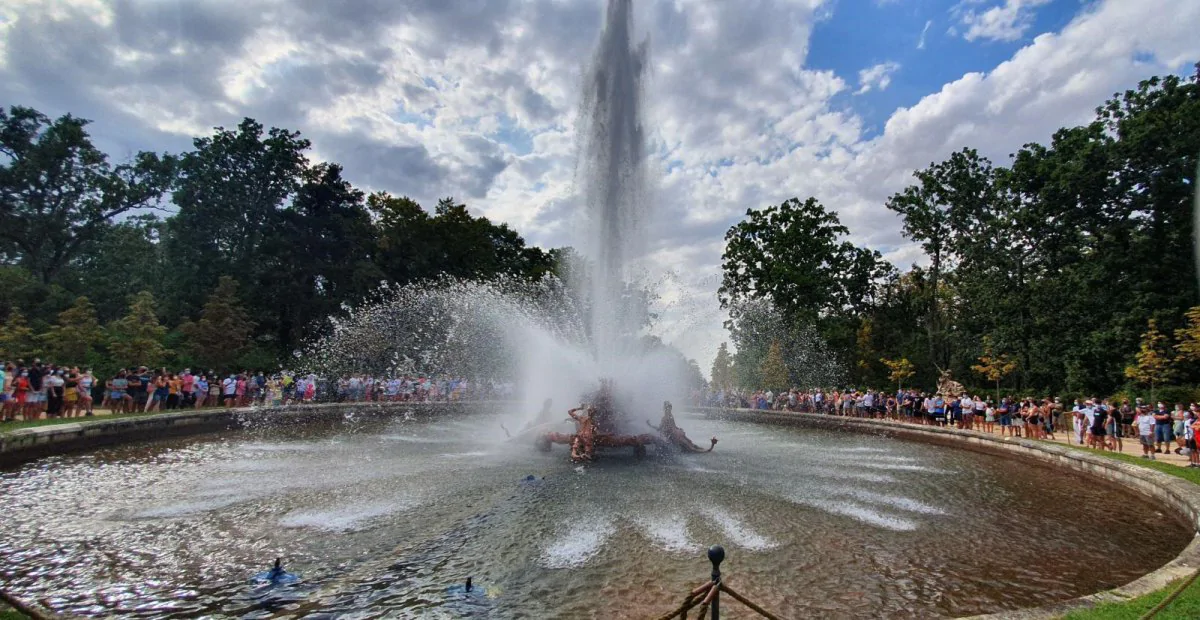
1172	492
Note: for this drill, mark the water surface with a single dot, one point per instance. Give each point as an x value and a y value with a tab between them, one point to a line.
384	517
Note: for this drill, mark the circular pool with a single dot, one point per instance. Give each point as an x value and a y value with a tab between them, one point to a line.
390	514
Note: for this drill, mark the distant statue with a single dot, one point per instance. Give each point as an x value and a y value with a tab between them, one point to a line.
668	429
948	386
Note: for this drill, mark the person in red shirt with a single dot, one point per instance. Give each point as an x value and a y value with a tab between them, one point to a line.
21	389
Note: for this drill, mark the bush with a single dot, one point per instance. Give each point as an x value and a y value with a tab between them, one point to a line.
1168	395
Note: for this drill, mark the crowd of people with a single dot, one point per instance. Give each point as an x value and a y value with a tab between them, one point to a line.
1102	424
35	390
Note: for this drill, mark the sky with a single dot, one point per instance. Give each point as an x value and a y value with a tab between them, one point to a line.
748	103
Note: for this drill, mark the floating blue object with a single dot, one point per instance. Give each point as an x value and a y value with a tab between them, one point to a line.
276	576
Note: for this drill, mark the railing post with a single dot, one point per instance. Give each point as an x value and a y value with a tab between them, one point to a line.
716	554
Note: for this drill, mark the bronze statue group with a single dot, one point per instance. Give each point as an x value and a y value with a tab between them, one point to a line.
596	425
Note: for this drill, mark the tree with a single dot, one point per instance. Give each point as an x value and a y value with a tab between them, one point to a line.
1187	338
126	259
74	339
722	369
17	341
231	189
223	332
319	254
137	338
1152	364
866	352
58	192
995	366
899	370
775	370
792	254
933	211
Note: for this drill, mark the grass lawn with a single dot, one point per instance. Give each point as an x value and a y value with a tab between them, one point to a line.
8	613
1185	607
1190	474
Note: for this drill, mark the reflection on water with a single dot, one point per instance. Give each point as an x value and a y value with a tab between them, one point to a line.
388	515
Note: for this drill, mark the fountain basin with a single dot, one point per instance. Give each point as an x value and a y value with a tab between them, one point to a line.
382	512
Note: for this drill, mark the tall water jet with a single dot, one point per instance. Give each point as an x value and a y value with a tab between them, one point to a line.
553	342
612	177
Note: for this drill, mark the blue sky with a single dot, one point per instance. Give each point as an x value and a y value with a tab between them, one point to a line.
857	34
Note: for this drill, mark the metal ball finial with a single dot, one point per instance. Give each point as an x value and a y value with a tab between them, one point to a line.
716	555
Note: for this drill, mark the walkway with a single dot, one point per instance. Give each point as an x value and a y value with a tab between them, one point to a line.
1130	446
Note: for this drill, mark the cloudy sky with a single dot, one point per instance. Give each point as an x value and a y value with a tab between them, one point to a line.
749	102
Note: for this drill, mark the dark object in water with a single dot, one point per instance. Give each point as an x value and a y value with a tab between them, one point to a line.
468	586
277	575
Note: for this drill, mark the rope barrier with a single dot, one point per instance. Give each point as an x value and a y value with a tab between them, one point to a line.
1157	609
689	601
711	591
748	603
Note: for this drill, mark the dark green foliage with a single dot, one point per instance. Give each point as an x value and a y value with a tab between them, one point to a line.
294	239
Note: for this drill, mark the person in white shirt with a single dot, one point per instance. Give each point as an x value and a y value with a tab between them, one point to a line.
229	387
1145	423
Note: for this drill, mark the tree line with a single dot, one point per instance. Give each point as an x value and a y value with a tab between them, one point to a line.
222	256
1045	273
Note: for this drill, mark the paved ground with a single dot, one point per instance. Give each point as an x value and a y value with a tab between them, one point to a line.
1129	445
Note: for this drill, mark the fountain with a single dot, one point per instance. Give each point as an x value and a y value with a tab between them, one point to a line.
442	516
559	339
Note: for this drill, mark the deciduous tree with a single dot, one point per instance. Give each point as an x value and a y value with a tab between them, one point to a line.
1152	365
994	365
899	370
58	192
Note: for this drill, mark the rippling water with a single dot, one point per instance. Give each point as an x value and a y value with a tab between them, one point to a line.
384	517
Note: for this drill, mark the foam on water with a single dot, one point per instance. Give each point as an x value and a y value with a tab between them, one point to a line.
737	531
669	532
891	501
415	439
183	509
859	512
899	467
842	474
345	518
578	543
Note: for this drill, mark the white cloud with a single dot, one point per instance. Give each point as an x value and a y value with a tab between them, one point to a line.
877	77
1003	22
924	32
424	97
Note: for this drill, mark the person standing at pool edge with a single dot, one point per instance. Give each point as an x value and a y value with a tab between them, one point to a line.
1146	425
